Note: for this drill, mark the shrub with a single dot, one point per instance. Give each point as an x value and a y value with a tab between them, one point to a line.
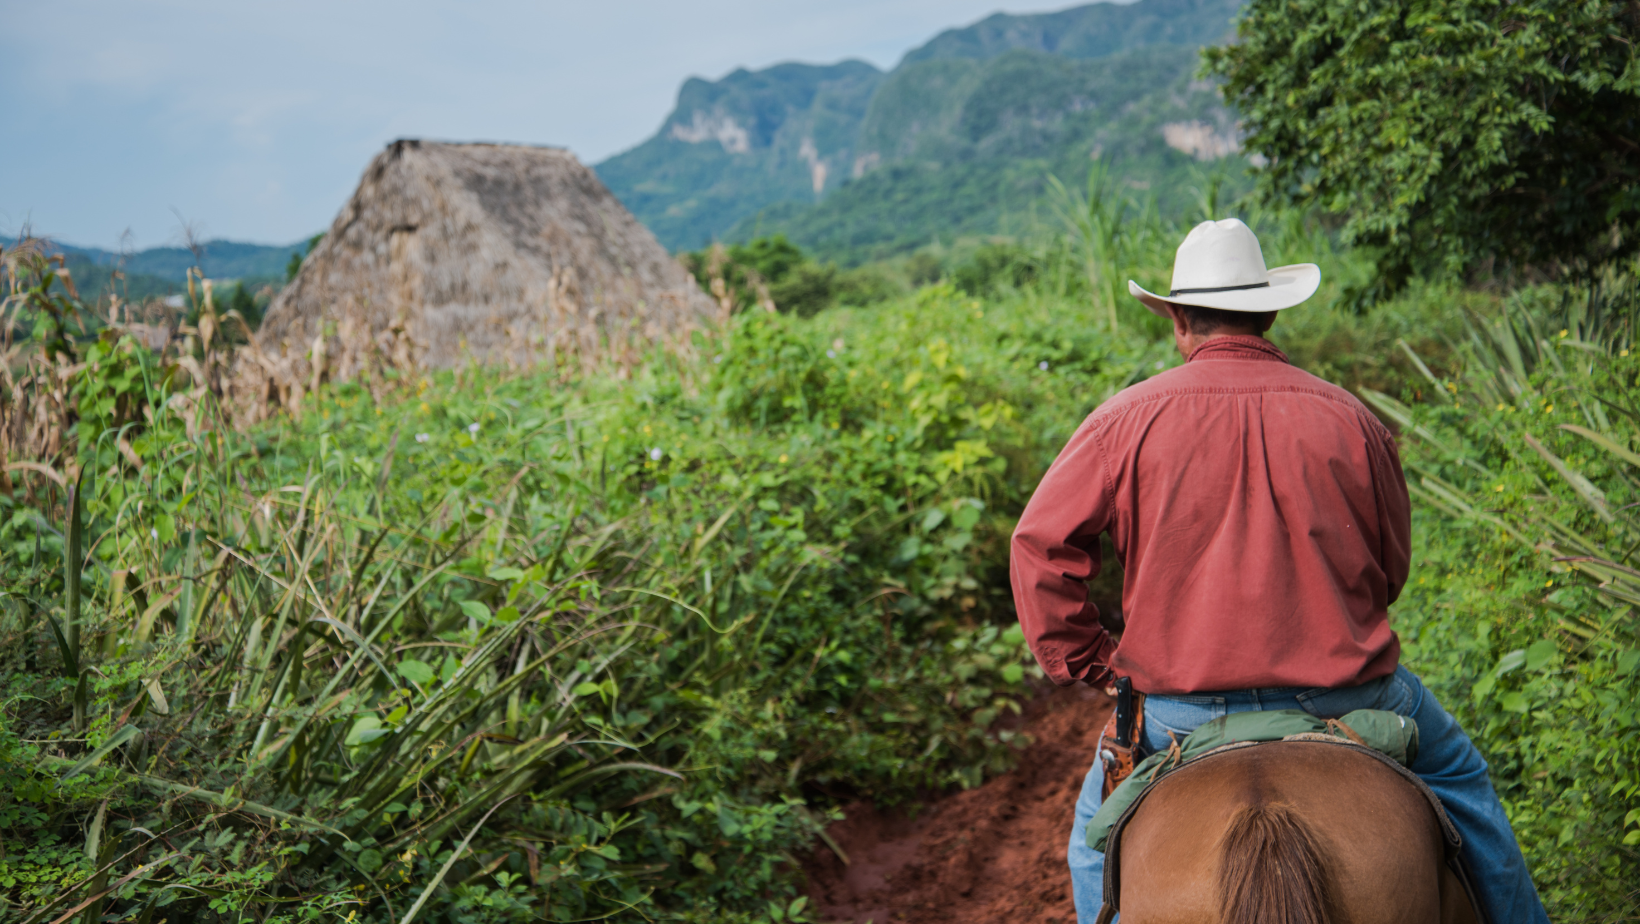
1521	608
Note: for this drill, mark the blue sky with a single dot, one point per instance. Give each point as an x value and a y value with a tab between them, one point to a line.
253	120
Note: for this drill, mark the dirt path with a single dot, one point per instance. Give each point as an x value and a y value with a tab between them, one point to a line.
990	854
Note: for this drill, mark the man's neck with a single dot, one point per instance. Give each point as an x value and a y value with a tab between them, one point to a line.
1190	342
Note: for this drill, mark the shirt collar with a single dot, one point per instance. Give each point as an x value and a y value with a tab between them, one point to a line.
1238	346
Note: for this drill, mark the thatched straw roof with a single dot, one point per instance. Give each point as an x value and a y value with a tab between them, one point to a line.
486	252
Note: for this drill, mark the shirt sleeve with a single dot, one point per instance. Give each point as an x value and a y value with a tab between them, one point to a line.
1394	516
1055	553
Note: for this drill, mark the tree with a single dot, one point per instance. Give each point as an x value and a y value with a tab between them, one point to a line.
1449	134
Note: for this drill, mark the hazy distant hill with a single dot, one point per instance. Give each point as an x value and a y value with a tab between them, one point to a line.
163	270
221	260
956	139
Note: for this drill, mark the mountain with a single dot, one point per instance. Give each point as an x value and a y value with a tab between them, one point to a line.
958	138
735	145
967	148
1091	31
161	271
219	260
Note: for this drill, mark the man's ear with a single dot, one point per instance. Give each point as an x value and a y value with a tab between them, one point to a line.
1181	328
1268	322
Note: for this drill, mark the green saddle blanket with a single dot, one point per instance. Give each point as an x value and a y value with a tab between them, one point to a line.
1386	732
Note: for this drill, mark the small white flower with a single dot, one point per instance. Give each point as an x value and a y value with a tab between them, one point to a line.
655	454
422	437
1160	363
154	533
718	358
1043	365
473	428
832	354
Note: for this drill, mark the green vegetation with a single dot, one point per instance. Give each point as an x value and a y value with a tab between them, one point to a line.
1521	612
658	627
511	646
1451	136
773	273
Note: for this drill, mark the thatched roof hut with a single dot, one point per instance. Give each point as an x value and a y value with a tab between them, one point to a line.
485	252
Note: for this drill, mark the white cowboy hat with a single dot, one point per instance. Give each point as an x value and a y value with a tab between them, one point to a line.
1220	265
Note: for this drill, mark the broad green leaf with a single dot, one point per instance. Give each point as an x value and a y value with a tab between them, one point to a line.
1628	661
1540	653
1012	673
366	728
507	573
587	688
1483	687
476	610
1511	661
417	672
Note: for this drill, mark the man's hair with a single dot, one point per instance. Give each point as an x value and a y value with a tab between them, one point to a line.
1209	320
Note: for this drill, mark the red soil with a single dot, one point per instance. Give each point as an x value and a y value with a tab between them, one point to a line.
995	853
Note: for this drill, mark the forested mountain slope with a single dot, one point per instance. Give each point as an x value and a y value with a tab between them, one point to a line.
734	145
958	138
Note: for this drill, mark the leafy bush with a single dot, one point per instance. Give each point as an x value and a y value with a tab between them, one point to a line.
867	285
996	264
1521	609
517	648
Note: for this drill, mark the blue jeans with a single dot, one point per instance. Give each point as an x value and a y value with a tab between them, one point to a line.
1447	761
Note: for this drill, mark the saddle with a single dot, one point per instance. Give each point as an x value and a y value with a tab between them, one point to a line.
1450	837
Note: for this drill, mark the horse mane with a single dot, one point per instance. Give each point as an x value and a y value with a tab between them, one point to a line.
1270	869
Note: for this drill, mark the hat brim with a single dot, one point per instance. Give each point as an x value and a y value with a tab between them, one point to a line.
1289	286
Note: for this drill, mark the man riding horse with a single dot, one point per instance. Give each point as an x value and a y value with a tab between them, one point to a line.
1263	527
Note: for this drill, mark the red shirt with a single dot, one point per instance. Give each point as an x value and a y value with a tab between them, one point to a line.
1262	523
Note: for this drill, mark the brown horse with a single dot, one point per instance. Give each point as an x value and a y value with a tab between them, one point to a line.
1287	833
